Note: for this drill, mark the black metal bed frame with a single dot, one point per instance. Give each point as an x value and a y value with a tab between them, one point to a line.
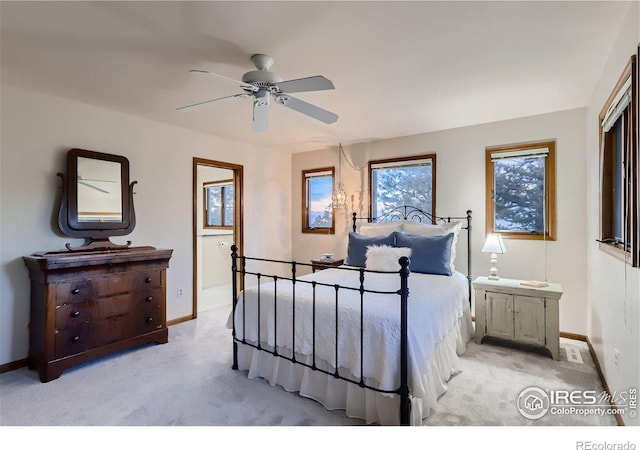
401	213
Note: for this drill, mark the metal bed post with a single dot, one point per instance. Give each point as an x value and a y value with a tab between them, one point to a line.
469	276
405	405
234	289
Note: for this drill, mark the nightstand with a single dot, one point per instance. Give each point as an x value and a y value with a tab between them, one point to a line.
508	310
320	264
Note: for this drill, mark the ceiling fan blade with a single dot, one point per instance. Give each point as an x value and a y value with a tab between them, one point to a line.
197	105
260	116
317	83
242	84
306	108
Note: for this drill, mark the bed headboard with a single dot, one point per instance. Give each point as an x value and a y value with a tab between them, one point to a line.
412	213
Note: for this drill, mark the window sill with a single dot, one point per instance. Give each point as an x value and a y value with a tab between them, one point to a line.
616	252
525	236
318	230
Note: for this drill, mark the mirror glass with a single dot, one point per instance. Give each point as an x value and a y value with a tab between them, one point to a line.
99	190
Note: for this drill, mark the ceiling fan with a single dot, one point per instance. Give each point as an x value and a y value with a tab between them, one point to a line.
263	85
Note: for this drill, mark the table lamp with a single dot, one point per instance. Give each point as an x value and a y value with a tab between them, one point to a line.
494	245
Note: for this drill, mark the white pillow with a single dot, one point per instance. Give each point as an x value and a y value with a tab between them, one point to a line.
385	258
425	229
379	229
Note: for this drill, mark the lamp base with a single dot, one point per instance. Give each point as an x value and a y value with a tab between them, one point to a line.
493	272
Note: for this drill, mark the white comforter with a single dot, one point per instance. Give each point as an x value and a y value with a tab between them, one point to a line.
436	303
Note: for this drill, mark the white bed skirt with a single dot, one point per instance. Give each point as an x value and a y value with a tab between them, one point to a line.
371	406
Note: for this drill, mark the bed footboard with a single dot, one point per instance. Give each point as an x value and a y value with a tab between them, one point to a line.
403	390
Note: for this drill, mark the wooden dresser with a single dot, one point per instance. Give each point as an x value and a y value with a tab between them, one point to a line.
89	304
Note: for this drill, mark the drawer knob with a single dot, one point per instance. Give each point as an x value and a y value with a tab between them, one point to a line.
149	319
75	291
75	313
147	280
75	339
149	298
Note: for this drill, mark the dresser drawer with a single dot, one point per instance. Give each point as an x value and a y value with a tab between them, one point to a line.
149	319
75	291
82	290
153	297
116	328
73	314
128	282
77	339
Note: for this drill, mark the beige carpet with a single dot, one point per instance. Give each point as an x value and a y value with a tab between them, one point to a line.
189	381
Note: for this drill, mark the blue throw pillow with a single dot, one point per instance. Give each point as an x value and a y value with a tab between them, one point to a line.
429	254
357	248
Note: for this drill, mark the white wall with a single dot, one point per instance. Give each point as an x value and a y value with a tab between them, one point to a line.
36	132
613	289
460	171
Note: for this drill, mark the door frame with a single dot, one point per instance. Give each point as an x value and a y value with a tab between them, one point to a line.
238	215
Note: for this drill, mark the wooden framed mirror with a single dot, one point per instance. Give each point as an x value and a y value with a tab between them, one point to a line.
97	199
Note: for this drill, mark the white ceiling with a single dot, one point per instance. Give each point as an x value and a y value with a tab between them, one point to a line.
398	67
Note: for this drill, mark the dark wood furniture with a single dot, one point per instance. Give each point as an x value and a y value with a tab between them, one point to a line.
320	264
85	305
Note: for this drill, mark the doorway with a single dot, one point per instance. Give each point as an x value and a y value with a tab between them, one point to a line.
217	225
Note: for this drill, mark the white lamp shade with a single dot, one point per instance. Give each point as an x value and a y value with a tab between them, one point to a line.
494	244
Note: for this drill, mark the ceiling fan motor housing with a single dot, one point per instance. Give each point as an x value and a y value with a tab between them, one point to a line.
261	78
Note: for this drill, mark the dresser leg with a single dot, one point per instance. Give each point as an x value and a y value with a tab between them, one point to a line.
49	373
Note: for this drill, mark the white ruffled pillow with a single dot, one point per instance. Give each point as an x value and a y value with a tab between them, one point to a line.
385	258
440	229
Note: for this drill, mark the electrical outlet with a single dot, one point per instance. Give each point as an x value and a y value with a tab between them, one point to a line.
616	357
180	292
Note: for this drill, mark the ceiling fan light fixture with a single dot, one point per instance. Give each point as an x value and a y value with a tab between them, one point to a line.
261	98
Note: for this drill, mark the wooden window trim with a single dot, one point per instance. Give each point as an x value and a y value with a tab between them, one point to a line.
222	212
305	208
631	255
550	191
431	156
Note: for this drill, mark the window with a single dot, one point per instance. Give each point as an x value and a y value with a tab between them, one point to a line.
218	204
521	184
619	169
317	210
402	181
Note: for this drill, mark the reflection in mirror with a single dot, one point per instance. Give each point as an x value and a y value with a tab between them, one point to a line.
99	190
